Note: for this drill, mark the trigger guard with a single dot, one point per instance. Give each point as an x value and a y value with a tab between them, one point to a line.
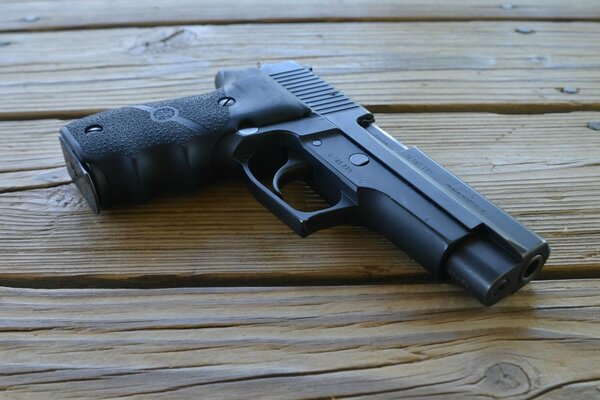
301	222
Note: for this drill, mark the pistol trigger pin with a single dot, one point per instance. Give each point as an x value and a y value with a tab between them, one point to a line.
293	169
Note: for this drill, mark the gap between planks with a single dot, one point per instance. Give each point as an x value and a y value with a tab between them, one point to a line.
43	15
282	21
506	108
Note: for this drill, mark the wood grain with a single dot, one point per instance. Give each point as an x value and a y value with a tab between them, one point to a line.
44	14
543	169
33	179
375	342
449	66
284	341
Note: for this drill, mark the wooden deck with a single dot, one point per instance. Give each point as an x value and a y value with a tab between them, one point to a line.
209	296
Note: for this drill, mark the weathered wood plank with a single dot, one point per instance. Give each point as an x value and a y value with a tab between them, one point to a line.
543	169
376	342
33	179
474	66
44	14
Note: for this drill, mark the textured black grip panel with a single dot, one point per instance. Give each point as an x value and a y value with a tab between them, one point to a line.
129	130
134	152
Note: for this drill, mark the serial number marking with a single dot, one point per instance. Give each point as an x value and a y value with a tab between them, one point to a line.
419	164
340	163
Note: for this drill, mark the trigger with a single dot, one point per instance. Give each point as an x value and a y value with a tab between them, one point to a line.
294	169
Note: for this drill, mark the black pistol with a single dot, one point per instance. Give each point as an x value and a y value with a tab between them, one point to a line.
280	123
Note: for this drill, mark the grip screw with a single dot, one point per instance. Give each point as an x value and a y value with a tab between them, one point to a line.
93	129
226	101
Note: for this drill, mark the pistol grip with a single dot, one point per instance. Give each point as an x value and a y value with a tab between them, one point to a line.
128	154
133	152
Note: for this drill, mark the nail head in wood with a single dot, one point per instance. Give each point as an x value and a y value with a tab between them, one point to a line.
595	125
524	30
569	89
